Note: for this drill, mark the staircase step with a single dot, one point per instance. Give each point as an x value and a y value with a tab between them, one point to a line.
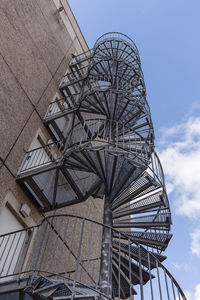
124	177
77	161
134	254
79	297
124	284
98	191
59	290
145	221
148	202
130	269
143	185
150	239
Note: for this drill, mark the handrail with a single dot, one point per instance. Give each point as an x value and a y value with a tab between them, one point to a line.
126	139
129	82
46	245
80	57
99	130
117	36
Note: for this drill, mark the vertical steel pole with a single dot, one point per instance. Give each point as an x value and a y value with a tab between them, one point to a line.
106	253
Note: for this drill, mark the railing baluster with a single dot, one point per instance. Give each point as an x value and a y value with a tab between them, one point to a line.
45	241
159	284
62	246
41	234
173	289
2	239
38	158
14	252
89	250
130	269
150	276
5	246
57	232
79	252
166	285
49	242
179	297
8	253
140	272
26	252
32	156
70	247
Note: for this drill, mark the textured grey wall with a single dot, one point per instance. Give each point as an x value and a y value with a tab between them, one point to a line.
35	51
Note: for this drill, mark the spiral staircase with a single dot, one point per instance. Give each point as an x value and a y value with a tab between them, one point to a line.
108	152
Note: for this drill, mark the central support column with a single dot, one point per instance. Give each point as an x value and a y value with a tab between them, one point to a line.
106	252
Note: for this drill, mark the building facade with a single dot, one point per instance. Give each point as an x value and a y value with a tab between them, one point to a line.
37	44
83	207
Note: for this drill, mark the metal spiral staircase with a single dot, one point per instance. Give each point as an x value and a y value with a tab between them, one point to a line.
107	151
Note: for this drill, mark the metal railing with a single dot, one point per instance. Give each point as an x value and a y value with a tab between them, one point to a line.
66	249
122	138
75	76
60	106
42	156
15	249
100	132
81	57
116	36
102	81
113	132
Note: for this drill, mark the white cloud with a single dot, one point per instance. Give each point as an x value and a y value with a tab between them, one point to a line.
193	296
182	267
195	244
177	266
180	157
197	292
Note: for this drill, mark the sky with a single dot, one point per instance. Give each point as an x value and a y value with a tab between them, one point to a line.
167	34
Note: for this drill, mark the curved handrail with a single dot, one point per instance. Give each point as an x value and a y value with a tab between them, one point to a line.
112	132
84	74
118	36
56	235
120	234
131	142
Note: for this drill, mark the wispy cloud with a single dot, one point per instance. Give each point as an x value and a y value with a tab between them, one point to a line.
182	267
195	244
180	155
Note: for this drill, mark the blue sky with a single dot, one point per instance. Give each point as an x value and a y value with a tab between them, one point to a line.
167	34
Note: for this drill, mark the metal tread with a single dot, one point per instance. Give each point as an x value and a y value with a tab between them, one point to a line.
158	219
156	240
60	289
134	252
142	205
140	187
